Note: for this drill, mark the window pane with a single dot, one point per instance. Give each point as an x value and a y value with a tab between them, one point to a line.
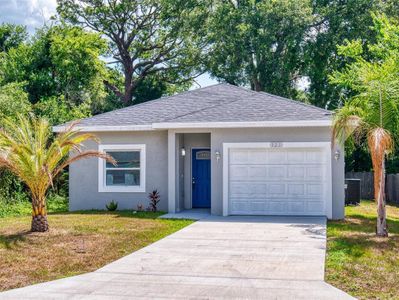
123	177
126	159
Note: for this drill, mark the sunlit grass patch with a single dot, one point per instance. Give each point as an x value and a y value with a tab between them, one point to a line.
357	261
77	242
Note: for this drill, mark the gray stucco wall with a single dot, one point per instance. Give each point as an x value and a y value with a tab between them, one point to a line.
83	176
220	136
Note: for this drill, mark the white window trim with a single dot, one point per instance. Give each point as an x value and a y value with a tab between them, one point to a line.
325	146
103	188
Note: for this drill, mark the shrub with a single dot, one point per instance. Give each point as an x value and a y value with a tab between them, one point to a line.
154	200
20	205
112	206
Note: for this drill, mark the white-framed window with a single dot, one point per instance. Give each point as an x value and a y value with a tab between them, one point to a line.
128	175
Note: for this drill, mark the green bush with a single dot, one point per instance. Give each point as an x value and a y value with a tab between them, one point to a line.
112	206
20	205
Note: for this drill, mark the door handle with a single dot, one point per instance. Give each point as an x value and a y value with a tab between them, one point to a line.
193	182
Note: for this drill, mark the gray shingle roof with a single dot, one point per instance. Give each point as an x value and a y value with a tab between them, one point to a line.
216	103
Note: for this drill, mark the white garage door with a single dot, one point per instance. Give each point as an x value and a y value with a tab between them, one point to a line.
277	181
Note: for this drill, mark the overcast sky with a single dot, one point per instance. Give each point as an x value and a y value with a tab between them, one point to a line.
31	13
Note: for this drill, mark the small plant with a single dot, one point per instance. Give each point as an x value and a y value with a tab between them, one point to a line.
140	207
154	200
112	206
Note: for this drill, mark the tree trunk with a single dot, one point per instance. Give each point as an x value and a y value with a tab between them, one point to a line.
128	93
39	217
382	229
256	86
127	97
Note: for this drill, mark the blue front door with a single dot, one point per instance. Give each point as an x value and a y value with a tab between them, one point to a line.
201	181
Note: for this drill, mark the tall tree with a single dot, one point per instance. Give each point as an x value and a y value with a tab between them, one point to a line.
58	61
372	114
258	43
28	151
335	21
11	36
13	101
146	37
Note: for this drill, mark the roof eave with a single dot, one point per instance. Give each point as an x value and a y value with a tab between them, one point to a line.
105	128
258	124
196	125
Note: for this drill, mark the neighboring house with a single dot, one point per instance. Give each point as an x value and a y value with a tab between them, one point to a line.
235	151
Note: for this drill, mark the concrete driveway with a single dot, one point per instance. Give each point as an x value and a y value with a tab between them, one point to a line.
214	258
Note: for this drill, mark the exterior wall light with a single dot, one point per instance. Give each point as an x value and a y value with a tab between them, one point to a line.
183	151
337	154
217	154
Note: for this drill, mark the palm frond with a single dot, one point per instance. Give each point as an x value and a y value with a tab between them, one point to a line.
83	155
380	142
28	149
347	123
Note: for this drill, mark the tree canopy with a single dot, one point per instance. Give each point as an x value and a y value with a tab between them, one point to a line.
259	43
11	35
146	37
58	60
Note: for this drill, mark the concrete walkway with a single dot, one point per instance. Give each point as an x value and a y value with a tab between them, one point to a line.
214	258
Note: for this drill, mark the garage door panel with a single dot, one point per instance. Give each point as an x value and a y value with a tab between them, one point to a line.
315	207
296	189
239	156
314	189
276	157
296	172
295	157
238	172
257	156
240	206
258	206
277	189
277	181
314	157
314	172
248	189
297	207
277	172
258	172
276	207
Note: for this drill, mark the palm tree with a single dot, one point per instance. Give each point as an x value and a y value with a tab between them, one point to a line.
28	149
373	116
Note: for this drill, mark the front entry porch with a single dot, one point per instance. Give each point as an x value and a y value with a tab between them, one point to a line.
189	182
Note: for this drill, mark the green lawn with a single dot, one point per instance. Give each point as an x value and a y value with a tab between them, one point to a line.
357	261
76	243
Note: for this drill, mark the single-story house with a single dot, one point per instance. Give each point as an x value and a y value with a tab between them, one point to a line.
222	147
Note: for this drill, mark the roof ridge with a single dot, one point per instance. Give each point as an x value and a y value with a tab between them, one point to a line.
254	93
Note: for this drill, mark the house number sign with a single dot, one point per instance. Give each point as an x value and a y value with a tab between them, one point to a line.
276	144
203	155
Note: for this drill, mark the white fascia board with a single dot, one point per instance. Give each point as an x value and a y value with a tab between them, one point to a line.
316	123
105	128
158	126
